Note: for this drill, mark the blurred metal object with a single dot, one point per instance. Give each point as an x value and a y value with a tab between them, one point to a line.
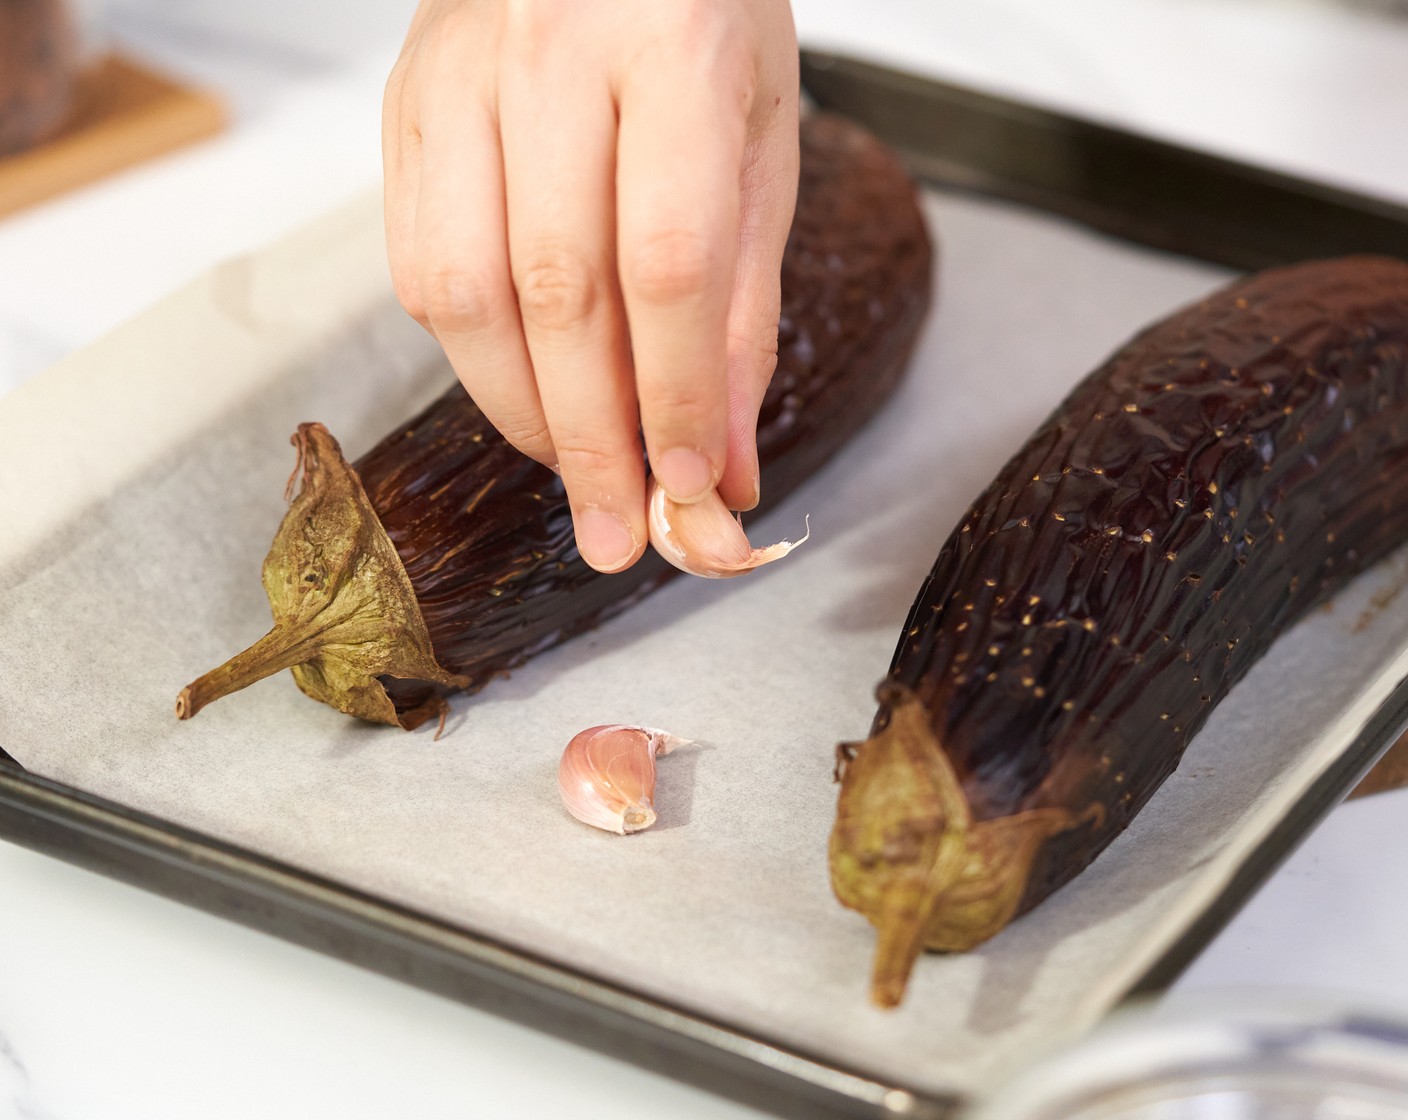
1222	1056
39	60
1387	7
1145	190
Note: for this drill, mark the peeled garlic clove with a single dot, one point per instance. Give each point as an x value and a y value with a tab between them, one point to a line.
607	775
705	539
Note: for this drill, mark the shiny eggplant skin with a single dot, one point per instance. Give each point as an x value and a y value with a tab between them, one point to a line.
1220	475
485	534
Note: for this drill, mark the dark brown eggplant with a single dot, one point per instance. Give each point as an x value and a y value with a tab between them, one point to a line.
444	557
1219	476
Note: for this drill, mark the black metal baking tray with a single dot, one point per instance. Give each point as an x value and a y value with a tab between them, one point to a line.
1147	191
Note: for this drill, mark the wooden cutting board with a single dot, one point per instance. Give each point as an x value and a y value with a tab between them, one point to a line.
123	114
1390	772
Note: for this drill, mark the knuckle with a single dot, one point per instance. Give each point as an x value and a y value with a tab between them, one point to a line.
737	76
535	13
458	299
706	27
557	290
671	265
717	45
582	457
527	433
395	86
754	355
408	295
678	403
448	32
767	365
536	22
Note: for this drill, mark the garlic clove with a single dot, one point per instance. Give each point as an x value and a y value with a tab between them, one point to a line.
607	775
705	539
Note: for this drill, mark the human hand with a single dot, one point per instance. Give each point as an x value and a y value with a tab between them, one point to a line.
587	204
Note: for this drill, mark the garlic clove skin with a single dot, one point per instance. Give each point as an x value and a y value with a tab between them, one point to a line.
705	539
606	776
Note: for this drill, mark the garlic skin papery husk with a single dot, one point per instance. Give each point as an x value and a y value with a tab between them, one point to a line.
607	775
705	538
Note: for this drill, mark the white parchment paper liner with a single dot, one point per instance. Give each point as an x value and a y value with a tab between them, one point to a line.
140	484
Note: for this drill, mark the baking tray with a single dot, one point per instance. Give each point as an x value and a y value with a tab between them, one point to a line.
954	137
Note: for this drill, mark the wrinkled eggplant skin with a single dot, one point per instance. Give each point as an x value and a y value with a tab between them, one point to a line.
485	533
1219	476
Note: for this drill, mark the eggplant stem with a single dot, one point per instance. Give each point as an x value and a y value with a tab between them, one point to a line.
277	650
906	911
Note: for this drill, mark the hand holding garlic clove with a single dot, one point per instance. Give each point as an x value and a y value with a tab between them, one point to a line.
607	775
704	538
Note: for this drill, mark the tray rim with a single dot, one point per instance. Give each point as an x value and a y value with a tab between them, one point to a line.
360	928
320	913
1151	191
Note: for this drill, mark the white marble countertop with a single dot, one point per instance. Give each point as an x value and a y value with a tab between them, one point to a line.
118	1004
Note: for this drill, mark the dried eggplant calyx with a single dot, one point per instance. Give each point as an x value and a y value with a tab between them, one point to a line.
907	852
345	614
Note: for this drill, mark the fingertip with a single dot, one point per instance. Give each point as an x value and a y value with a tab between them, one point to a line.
685	474
606	540
741	490
741	485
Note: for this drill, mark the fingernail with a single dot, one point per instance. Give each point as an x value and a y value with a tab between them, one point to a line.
604	540
757	494
685	474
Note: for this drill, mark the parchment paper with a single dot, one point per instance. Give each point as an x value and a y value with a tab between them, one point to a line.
141	481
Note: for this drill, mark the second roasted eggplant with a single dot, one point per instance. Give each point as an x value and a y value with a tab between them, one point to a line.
443	557
1223	473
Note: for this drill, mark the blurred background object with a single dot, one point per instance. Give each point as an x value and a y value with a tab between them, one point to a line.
1391	7
72	112
38	67
1250	1055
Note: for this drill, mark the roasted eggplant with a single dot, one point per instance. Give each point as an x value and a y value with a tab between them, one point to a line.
1219	476
443	557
